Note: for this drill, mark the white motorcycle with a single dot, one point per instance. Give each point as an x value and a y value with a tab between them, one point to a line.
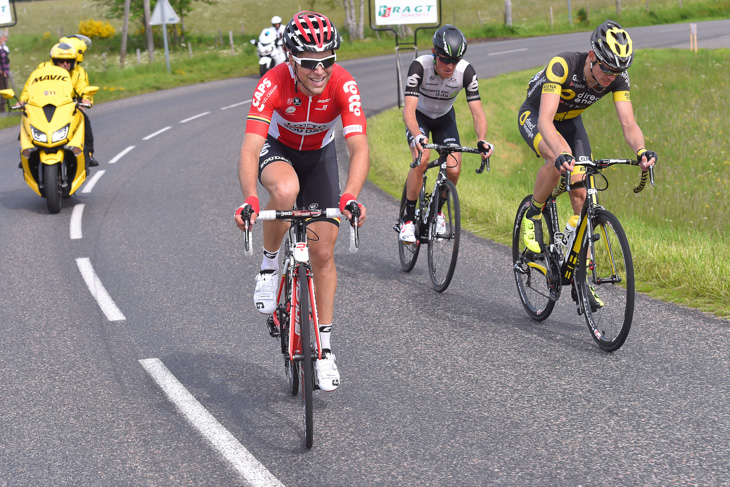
268	49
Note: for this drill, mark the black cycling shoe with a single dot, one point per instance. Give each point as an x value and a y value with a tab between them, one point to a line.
93	162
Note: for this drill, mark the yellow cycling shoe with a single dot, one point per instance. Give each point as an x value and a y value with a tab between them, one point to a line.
532	233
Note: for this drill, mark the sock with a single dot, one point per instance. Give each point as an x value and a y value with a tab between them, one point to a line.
324	336
410	210
535	210
270	261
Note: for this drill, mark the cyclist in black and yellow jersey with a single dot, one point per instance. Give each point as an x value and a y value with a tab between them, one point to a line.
550	118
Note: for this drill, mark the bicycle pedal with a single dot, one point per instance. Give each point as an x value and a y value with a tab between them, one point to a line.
273	329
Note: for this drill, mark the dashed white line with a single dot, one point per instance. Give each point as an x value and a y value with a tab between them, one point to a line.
98	291
236	105
94	179
194	117
222	440
75	228
155	134
121	154
506	52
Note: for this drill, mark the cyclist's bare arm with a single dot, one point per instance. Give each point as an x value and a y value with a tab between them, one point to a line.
358	170
632	132
248	164
480	123
410	103
549	103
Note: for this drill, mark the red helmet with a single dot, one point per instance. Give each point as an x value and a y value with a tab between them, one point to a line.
311	32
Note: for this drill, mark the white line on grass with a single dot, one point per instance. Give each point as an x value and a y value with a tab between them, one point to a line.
194	117
97	290
121	154
222	440
155	134
236	105
506	52
94	179
75	228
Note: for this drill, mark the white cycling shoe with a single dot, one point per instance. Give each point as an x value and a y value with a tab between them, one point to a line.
264	296
407	232
325	372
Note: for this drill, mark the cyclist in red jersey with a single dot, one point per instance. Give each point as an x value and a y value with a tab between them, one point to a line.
289	145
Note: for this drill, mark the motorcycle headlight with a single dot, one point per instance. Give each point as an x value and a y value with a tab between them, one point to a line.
267	50
38	135
60	134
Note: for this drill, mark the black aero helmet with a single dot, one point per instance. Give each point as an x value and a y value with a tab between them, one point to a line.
311	32
449	42
612	46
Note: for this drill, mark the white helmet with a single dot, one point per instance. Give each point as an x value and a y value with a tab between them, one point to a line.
275	20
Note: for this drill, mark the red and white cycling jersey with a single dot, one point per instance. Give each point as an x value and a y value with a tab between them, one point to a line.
303	122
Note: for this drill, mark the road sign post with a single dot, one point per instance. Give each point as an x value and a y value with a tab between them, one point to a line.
164	14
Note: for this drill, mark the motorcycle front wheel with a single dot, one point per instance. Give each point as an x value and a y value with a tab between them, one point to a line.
52	181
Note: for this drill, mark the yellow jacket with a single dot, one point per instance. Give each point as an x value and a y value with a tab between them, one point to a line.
79	79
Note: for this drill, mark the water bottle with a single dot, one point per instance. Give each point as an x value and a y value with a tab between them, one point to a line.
569	233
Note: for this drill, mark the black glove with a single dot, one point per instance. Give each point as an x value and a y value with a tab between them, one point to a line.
484	146
564	157
649	154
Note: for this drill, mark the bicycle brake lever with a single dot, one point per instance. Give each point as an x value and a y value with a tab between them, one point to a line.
651	175
485	163
567	181
417	161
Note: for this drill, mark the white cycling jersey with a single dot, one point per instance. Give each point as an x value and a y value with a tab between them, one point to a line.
436	96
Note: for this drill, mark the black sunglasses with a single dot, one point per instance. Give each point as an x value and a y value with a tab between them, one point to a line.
312	64
448	60
607	71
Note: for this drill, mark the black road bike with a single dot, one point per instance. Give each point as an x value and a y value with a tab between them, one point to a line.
595	261
442	237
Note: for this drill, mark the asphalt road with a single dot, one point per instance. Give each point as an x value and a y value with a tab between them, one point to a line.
178	383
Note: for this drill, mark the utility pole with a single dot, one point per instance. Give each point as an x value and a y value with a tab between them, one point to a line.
125	31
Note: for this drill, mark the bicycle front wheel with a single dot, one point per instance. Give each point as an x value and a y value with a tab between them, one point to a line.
444	231
306	368
605	278
408	253
531	270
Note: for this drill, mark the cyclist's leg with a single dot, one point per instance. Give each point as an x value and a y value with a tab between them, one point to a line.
415	175
581	147
446	132
278	177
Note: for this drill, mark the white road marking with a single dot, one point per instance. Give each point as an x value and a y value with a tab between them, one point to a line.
156	133
236	105
75	228
121	154
506	52
95	178
98	291
222	440
194	117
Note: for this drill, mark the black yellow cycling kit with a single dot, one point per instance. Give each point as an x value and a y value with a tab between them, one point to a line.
564	76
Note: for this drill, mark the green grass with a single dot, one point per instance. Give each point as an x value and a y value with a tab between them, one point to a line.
677	229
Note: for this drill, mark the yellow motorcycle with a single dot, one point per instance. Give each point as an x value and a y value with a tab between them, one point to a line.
52	135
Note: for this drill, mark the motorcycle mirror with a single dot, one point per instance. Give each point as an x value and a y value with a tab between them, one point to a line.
7	94
253	41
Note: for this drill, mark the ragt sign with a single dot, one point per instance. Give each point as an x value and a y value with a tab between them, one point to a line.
397	12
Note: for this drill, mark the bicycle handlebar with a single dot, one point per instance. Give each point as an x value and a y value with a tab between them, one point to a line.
303	215
445	149
604	163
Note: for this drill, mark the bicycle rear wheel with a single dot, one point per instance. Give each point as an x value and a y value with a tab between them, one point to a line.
408	253
605	278
531	271
306	368
443	246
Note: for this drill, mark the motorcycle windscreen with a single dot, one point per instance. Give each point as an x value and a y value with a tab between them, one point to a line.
50	85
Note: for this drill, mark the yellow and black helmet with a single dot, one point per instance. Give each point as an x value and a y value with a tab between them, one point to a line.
79	42
612	46
63	51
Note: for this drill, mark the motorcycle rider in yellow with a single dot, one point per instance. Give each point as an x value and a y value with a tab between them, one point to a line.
65	55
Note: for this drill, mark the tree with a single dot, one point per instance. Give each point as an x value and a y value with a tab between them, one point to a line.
354	26
115	9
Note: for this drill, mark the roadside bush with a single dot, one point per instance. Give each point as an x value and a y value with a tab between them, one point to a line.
96	28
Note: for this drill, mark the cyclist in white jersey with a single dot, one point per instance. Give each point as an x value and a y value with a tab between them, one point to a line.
433	82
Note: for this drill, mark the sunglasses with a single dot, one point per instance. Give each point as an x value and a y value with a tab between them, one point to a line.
448	60
312	64
609	71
